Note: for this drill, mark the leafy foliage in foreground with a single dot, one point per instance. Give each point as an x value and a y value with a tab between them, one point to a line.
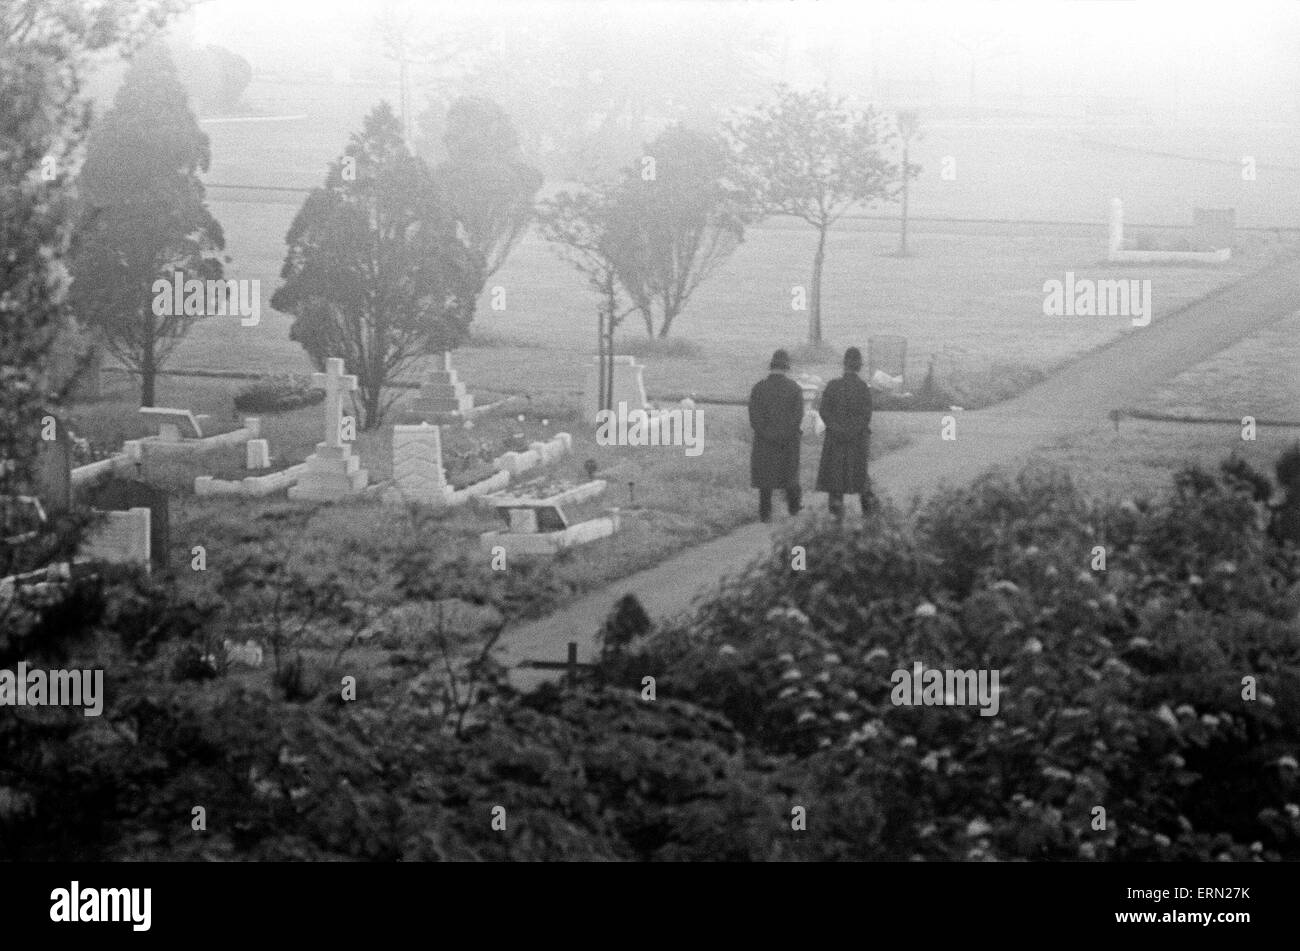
1123	689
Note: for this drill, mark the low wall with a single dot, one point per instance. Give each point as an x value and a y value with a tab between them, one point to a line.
250	486
251	429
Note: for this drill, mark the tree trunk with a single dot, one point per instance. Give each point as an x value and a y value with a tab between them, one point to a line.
667	323
815	317
902	244
370	399
148	366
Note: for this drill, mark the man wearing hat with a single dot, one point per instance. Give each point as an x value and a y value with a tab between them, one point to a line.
775	413
846	411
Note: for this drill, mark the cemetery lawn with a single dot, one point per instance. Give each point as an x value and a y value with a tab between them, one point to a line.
355	575
1137	460
971	295
1258	376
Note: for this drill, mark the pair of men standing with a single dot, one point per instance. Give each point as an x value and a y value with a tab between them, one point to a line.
776	414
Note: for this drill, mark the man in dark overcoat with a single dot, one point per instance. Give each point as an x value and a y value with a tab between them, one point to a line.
775	413
846	411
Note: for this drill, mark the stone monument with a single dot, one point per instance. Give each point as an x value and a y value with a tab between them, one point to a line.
442	394
332	471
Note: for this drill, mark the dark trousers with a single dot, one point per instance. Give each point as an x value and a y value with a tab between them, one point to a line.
835	502
793	498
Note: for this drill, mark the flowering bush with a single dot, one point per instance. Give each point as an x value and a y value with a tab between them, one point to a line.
1162	689
1148	708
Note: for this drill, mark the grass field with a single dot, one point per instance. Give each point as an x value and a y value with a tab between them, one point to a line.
1007	164
972	299
1258	376
971	296
1140	459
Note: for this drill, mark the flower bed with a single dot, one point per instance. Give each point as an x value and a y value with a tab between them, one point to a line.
278	394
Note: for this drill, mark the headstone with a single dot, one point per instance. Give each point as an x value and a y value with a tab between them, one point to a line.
54	472
1115	242
1214	228
417	463
120	538
258	452
442	393
887	354
118	495
811	388
629	387
332	471
173	424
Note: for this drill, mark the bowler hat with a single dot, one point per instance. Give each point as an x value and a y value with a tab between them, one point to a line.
780	361
853	359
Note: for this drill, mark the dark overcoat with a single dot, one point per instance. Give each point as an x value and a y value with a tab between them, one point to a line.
775	412
846	411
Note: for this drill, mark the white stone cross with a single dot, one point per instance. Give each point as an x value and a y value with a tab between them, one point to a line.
335	383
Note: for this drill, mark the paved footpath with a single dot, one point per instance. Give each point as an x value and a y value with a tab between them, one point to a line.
1076	399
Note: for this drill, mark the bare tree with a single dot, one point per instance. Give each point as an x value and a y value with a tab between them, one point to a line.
908	123
807	154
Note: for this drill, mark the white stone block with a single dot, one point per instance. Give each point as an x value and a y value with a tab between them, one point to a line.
629	387
418	473
523	521
120	538
257	454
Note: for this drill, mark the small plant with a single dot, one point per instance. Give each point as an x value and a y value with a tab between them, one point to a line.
297	680
192	664
627	622
1285	524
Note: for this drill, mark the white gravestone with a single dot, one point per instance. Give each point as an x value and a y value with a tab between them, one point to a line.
1116	242
174	424
332	471
629	387
122	538
258	454
417	464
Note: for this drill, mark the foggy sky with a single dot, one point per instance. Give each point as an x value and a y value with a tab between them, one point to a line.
1218	59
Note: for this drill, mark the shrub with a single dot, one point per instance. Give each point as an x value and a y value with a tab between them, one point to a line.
626	622
1164	689
1122	689
278	394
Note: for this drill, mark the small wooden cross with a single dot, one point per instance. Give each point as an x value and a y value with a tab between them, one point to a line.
335	383
570	666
